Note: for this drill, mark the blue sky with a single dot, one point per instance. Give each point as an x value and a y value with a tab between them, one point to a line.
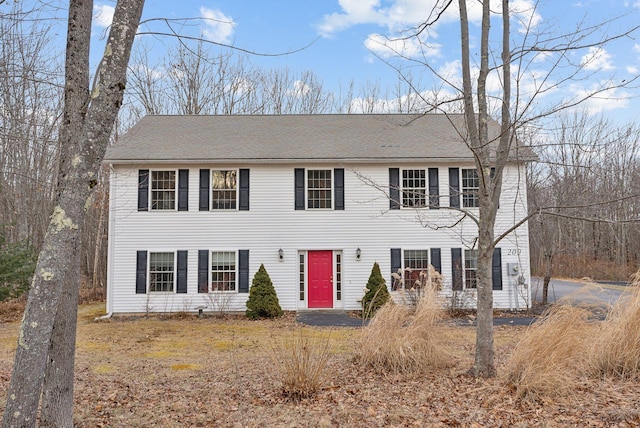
347	39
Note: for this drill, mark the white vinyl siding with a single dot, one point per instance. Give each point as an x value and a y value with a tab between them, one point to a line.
366	223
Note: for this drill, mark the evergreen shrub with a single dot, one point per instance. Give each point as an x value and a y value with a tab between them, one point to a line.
376	294
263	300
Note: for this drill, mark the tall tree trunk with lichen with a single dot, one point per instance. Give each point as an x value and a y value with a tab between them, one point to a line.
42	341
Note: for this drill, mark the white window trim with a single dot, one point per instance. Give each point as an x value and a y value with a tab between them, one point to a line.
464	269
426	188
464	190
211	189
210	290
404	267
331	191
175	272
175	191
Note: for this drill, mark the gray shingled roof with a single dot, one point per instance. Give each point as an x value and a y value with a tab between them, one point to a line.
297	138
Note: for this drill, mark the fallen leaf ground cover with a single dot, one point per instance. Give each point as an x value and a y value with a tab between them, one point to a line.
213	372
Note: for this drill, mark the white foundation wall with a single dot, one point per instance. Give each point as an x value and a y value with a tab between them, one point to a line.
272	223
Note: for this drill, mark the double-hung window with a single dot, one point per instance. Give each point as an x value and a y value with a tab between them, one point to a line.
223	271
470	268
224	189
163	190
470	188
319	188
416	266
414	188
161	272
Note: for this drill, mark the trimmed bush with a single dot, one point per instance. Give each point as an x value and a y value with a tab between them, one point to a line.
263	300
376	293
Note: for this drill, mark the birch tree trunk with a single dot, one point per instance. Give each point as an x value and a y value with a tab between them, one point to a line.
46	321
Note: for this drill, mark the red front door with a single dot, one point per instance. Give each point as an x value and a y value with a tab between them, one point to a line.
320	269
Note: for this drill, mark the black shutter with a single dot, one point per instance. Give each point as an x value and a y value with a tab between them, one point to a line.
436	259
396	265
183	190
181	286
338	188
243	203
434	189
496	269
203	271
143	190
454	187
394	188
456	269
243	271
141	272
299	184
204	190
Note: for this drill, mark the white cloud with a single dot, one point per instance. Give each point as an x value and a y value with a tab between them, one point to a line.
217	26
597	59
300	89
525	14
633	70
409	48
102	15
397	16
607	100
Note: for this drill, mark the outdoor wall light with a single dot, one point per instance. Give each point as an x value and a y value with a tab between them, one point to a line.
358	253
281	254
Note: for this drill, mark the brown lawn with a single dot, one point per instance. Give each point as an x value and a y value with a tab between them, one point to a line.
211	372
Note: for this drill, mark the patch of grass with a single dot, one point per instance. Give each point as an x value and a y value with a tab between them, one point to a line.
398	340
103	369
186	367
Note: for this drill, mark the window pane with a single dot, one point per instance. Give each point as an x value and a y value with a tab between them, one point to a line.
223	271
224	190
415	263
319	188
161	272
163	190
414	188
470	268
470	188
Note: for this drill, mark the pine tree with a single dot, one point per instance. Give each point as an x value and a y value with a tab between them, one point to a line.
376	294
263	300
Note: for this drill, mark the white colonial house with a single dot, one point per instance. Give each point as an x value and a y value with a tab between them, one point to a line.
198	203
